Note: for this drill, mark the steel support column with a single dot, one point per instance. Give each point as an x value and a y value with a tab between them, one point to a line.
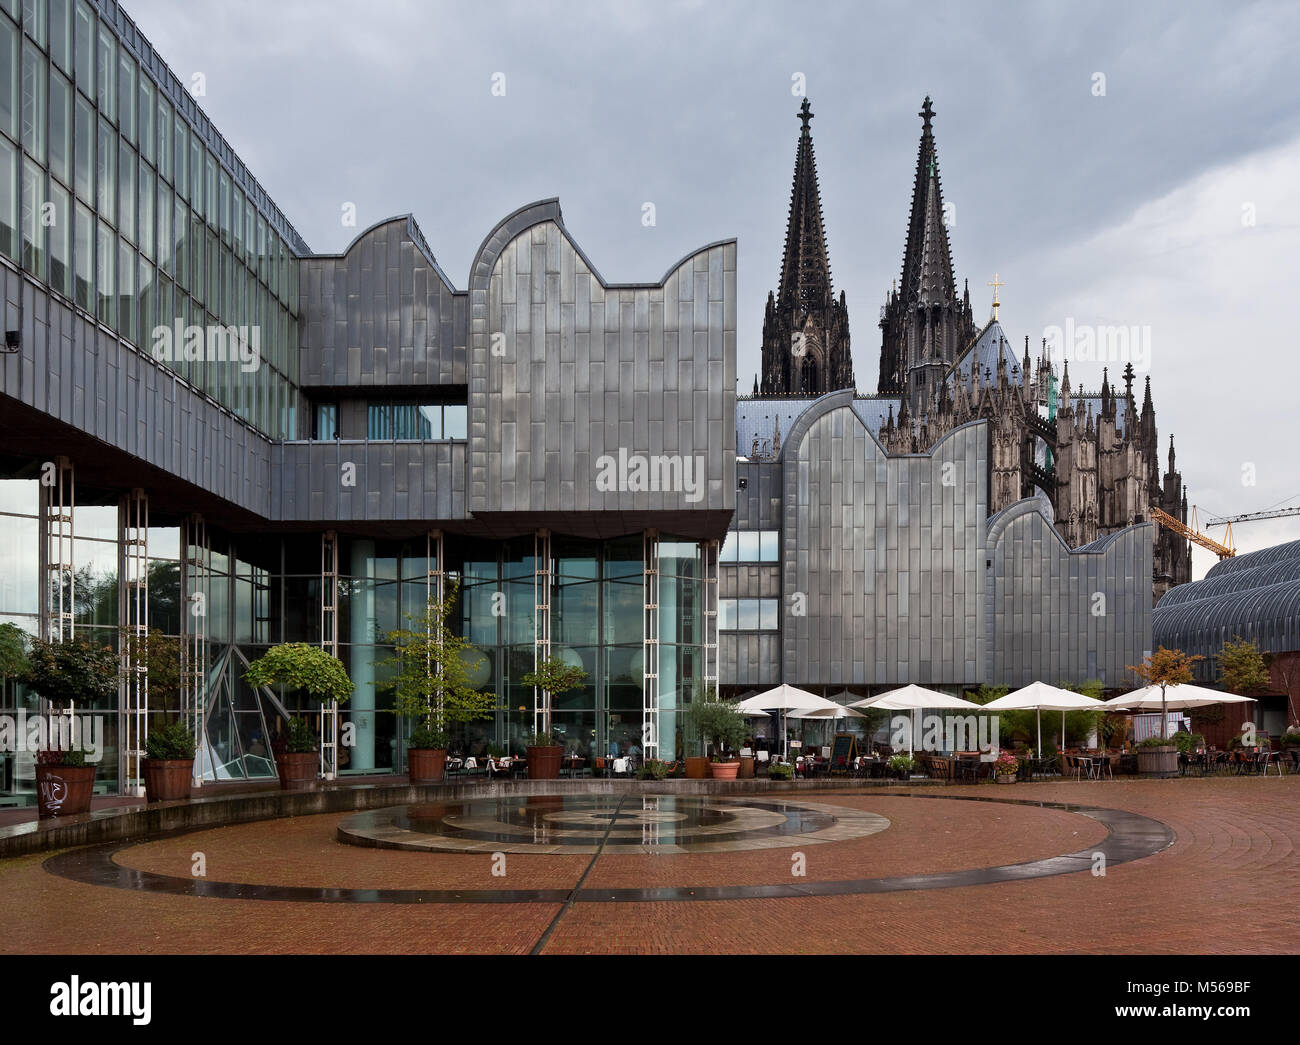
541	625
650	637
135	632
329	641
195	578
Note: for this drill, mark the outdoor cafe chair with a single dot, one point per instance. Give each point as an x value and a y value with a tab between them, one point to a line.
1269	758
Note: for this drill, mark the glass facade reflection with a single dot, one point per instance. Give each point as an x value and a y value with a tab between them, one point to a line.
117	195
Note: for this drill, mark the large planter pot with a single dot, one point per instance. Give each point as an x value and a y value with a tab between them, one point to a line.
168	779
63	790
746	768
1006	778
426	765
297	771
724	770
544	762
697	768
1158	761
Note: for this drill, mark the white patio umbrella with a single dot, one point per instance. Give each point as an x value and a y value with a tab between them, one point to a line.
1040	697
785	698
914	698
834	714
1175	698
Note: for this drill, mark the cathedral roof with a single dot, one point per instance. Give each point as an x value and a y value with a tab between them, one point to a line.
758	417
989	345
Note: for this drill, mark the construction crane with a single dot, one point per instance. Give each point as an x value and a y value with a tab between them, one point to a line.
1193	533
1275	513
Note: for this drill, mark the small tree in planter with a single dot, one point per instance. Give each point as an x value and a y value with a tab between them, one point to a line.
433	686
1165	668
300	667
168	763
721	727
68	674
552	676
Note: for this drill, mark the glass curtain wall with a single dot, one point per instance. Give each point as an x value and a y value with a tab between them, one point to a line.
116	199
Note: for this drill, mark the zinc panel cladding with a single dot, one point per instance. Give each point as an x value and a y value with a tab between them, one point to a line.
862	549
1061	615
382	314
659	381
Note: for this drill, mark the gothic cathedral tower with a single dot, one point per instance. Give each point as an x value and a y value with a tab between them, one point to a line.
805	329
924	325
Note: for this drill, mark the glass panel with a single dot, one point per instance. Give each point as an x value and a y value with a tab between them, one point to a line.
164	138
727	614
729	547
146	210
84	257
127	165
624	608
379	421
60	128
85	41
455	422
20	585
105	269
767	614
181	140
747	617
8	199
747	546
106	172
180	226
33	226
84	164
61	34
148	302
20	496
95	582
126	96
768	546
146	117
223	209
106	85
164	220
34	14
9	94
126	290
195	173
35	78
326	421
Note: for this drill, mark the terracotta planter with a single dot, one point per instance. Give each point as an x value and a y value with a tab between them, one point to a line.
63	790
168	779
297	772
544	762
697	768
1006	778
426	765
746	768
1159	762
724	770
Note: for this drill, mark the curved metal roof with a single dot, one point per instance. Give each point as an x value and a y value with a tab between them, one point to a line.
1255	595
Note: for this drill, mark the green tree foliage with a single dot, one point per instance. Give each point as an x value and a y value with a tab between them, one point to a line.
434	670
301	667
716	722
72	671
13	651
1242	666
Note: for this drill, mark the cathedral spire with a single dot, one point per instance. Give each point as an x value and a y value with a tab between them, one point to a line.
927	258
805	329
805	268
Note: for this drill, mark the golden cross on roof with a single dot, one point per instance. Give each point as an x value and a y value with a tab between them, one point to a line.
995	284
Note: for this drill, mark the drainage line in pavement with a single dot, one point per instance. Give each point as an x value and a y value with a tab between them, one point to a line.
577	889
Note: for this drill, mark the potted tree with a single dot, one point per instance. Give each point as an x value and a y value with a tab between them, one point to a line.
68	674
168	763
552	676
720	728
434	685
1157	756
299	667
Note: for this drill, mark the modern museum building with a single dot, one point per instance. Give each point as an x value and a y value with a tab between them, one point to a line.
208	429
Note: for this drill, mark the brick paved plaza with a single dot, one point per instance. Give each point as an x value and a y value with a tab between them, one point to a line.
1227	884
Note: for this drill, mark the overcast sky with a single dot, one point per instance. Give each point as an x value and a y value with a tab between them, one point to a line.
1124	198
